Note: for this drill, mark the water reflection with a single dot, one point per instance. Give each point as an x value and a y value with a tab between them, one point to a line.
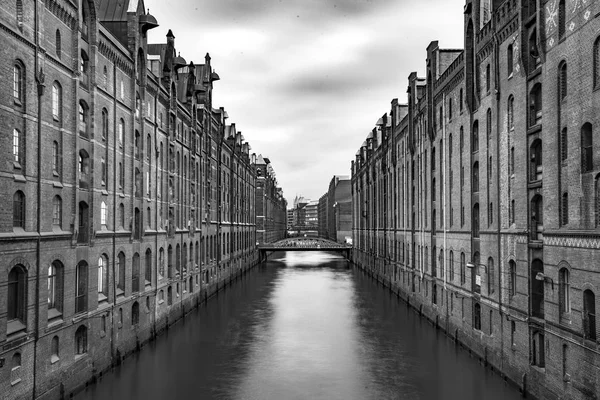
303	326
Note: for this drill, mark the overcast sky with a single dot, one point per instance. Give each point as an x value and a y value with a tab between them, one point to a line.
306	80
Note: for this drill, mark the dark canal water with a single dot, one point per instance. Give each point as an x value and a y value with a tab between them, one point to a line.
302	326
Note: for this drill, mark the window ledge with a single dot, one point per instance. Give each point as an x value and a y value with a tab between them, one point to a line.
19	177
57	185
54	359
13	383
102	298
53	313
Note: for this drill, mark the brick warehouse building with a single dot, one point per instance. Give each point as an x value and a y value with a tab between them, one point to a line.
132	197
478	202
271	206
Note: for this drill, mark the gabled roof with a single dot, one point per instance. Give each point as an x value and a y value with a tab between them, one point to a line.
116	10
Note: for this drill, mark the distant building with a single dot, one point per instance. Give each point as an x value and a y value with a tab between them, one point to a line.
339	209
271	206
322	214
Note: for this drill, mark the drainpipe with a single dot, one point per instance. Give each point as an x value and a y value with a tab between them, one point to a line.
39	77
443	155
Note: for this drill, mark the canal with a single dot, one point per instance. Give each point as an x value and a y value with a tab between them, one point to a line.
302	326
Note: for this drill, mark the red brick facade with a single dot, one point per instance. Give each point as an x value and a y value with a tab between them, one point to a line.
128	199
479	201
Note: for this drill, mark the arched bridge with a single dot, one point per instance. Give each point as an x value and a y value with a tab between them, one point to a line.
304	244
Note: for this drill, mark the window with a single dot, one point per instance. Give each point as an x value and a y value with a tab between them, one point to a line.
460	100
19	210
57	211
56	101
56	159
476	177
54	354
511	212
121	272
81	287
121	131
17	294
148	272
18	72
450	109
597	200
81	340
121	176
538	356
597	63
121	216
476	220
509	59
15	371
475	137
83	118
105	76
135	273
562	20
537	216
490	275
463	277
103	171
488	78
18	146
510	113
589	315
103	213
564	145
564	209
104	124
534	51
477	316
161	262
535	105
84	168
135	314
537	289
451	268
512	278
148	148
535	161
20	25
138	106
84	68
563	291
587	160
55	287
103	277
138	143
562	81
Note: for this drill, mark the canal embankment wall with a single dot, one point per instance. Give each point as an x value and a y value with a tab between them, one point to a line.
492	351
156	318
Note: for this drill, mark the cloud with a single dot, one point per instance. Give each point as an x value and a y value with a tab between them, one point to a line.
305	80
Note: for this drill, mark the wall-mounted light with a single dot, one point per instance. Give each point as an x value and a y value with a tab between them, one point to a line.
541	277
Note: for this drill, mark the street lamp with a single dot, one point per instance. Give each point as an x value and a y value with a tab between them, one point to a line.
541	277
472	265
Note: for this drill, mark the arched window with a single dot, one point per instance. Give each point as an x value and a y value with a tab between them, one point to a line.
178	258
589	315
488	78
104	123
138	106
460	100
510	112
562	81
451	266
105	76
169	295
135	273
490	275
535	160
121	131
138	143
148	271
83	118
56	159
512	278
18	147
537	216
18	81
535	105
161	262
534	51
58	44
84	168
81	340
19	210
475	137
185	257
587	155
170	271
17	294
121	176
509	59
148	218
81	287
57	211
121	273
563	291
450	109
102	277
135	313
562	20
564	145
55	289
84	66
56	101
137	224
141	66
148	148
138	182
121	216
